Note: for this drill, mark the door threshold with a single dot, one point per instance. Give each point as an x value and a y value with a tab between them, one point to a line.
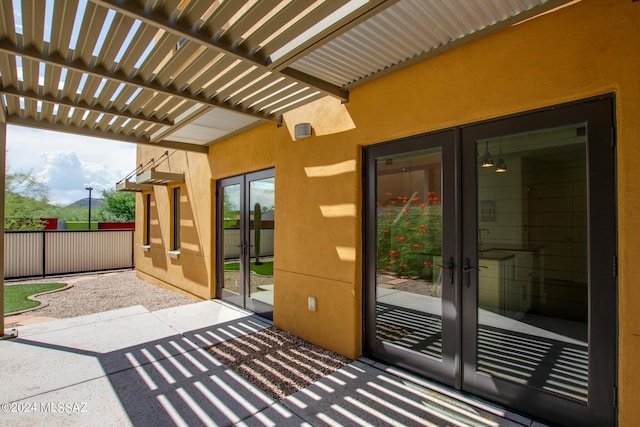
476	402
244	310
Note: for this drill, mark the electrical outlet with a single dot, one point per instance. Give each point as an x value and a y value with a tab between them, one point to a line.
311	303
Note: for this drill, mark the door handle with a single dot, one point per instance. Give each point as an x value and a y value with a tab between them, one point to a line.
467	268
243	247
450	266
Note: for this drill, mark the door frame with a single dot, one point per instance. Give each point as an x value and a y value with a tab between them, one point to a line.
598	114
244	299
602	221
447	369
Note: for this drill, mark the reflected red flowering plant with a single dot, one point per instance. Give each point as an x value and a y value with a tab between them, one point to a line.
409	233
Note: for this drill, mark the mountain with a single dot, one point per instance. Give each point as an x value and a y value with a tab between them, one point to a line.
83	203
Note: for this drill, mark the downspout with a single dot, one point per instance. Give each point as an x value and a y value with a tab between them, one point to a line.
3	145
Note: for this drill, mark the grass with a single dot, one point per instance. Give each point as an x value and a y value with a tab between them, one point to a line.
264	269
15	296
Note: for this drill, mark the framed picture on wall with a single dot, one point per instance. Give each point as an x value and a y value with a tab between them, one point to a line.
488	210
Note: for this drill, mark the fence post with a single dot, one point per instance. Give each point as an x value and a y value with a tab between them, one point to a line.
44	253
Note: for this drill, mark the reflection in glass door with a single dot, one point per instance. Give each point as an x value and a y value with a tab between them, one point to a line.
532	254
231	241
409	228
260	284
246	225
538	256
490	260
411	317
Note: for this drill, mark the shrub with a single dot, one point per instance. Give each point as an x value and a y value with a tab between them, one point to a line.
409	235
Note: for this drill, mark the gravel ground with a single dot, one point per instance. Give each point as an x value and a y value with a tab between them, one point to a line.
409	284
276	361
95	293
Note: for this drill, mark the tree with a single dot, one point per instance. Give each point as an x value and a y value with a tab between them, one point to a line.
231	212
27	185
121	205
26	201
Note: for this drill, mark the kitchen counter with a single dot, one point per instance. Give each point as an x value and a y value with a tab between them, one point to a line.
493	254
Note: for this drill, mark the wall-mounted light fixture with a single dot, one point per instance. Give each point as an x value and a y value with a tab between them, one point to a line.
303	130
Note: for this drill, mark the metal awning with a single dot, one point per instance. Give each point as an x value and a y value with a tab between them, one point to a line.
185	73
132	186
147	176
154	177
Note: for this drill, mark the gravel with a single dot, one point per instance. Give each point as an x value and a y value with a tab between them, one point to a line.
95	293
277	361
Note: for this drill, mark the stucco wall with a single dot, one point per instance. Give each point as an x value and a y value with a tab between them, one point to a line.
583	50
587	49
315	252
191	271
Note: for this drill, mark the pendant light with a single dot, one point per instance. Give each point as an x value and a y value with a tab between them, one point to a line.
501	166
487	160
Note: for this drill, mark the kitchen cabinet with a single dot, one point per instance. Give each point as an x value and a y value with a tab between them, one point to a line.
504	285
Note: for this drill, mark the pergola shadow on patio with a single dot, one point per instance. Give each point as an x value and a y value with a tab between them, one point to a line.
141	368
520	352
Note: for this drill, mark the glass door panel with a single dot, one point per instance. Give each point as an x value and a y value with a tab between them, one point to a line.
261	234
538	256
411	318
409	230
532	252
231	242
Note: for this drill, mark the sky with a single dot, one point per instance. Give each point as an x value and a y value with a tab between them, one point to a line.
68	163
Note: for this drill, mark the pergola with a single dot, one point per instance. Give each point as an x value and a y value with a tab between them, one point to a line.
184	74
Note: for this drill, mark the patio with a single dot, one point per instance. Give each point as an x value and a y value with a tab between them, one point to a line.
132	366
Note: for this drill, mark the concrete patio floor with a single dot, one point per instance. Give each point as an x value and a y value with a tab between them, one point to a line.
135	367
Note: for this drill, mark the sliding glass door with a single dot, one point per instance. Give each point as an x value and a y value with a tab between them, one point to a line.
494	265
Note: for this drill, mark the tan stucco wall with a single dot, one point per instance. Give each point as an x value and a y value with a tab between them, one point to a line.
583	50
191	272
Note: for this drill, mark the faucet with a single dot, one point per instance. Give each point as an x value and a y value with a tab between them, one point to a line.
480	230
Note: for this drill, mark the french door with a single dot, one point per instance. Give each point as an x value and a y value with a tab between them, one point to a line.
246	225
490	260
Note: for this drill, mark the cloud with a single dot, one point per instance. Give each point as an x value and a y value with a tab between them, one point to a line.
68	177
69	163
63	169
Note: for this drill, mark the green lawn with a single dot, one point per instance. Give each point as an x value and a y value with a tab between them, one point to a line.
15	296
264	269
